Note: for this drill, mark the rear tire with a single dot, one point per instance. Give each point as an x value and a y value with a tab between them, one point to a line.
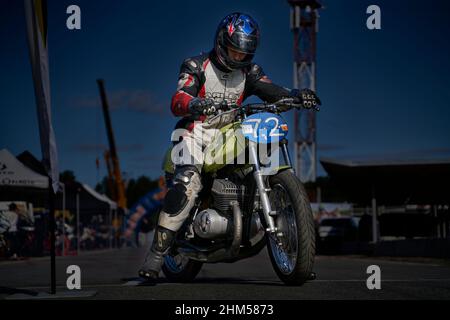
298	270
180	271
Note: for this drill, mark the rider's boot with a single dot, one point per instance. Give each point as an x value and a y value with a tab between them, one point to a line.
154	260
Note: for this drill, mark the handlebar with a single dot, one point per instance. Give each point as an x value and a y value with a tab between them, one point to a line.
223	108
272	107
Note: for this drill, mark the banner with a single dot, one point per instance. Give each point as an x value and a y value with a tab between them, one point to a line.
36	18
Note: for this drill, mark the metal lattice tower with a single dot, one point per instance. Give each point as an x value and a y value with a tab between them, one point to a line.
304	26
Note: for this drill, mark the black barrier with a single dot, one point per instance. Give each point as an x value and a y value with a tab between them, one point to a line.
292	309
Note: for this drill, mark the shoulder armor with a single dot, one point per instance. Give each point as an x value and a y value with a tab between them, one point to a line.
255	72
193	65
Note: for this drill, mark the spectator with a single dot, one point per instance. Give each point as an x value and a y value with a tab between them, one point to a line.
13	216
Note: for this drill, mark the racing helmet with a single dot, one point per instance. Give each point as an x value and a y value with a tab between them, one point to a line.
240	32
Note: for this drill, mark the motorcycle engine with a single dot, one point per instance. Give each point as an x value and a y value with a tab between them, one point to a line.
217	222
209	224
224	191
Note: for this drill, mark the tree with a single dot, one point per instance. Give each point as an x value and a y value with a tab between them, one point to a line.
135	188
138	188
67	177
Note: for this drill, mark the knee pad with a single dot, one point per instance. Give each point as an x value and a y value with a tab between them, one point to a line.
189	177
186	185
185	174
175	199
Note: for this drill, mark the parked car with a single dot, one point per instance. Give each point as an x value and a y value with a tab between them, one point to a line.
334	231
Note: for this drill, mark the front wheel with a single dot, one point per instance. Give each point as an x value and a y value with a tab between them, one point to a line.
292	250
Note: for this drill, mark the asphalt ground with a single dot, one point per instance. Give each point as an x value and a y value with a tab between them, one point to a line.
112	274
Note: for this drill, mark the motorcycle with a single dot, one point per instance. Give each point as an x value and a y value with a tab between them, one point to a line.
245	207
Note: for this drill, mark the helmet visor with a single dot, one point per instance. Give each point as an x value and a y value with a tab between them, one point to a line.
242	43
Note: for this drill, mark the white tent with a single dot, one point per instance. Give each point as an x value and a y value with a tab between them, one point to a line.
112	207
14	174
100	197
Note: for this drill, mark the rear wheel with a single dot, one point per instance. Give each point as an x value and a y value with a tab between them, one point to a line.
179	268
292	252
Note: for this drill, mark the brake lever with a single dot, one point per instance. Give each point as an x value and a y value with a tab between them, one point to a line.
273	108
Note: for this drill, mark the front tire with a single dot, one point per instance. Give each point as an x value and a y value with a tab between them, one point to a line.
292	255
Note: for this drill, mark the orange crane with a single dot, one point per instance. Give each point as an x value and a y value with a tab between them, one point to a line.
111	158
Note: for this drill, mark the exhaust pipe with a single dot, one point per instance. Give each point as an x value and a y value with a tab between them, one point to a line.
237	234
222	254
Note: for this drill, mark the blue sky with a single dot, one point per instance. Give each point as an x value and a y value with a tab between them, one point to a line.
385	93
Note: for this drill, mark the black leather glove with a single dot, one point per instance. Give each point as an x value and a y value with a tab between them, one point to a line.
202	106
307	98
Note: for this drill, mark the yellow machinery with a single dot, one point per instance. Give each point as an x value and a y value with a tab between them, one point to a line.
112	160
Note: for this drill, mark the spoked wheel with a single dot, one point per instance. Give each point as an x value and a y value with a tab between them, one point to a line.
292	250
178	268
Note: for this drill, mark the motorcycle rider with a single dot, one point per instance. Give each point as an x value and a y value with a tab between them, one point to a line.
228	74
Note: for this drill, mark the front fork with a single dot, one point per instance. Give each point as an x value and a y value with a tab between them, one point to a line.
258	175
